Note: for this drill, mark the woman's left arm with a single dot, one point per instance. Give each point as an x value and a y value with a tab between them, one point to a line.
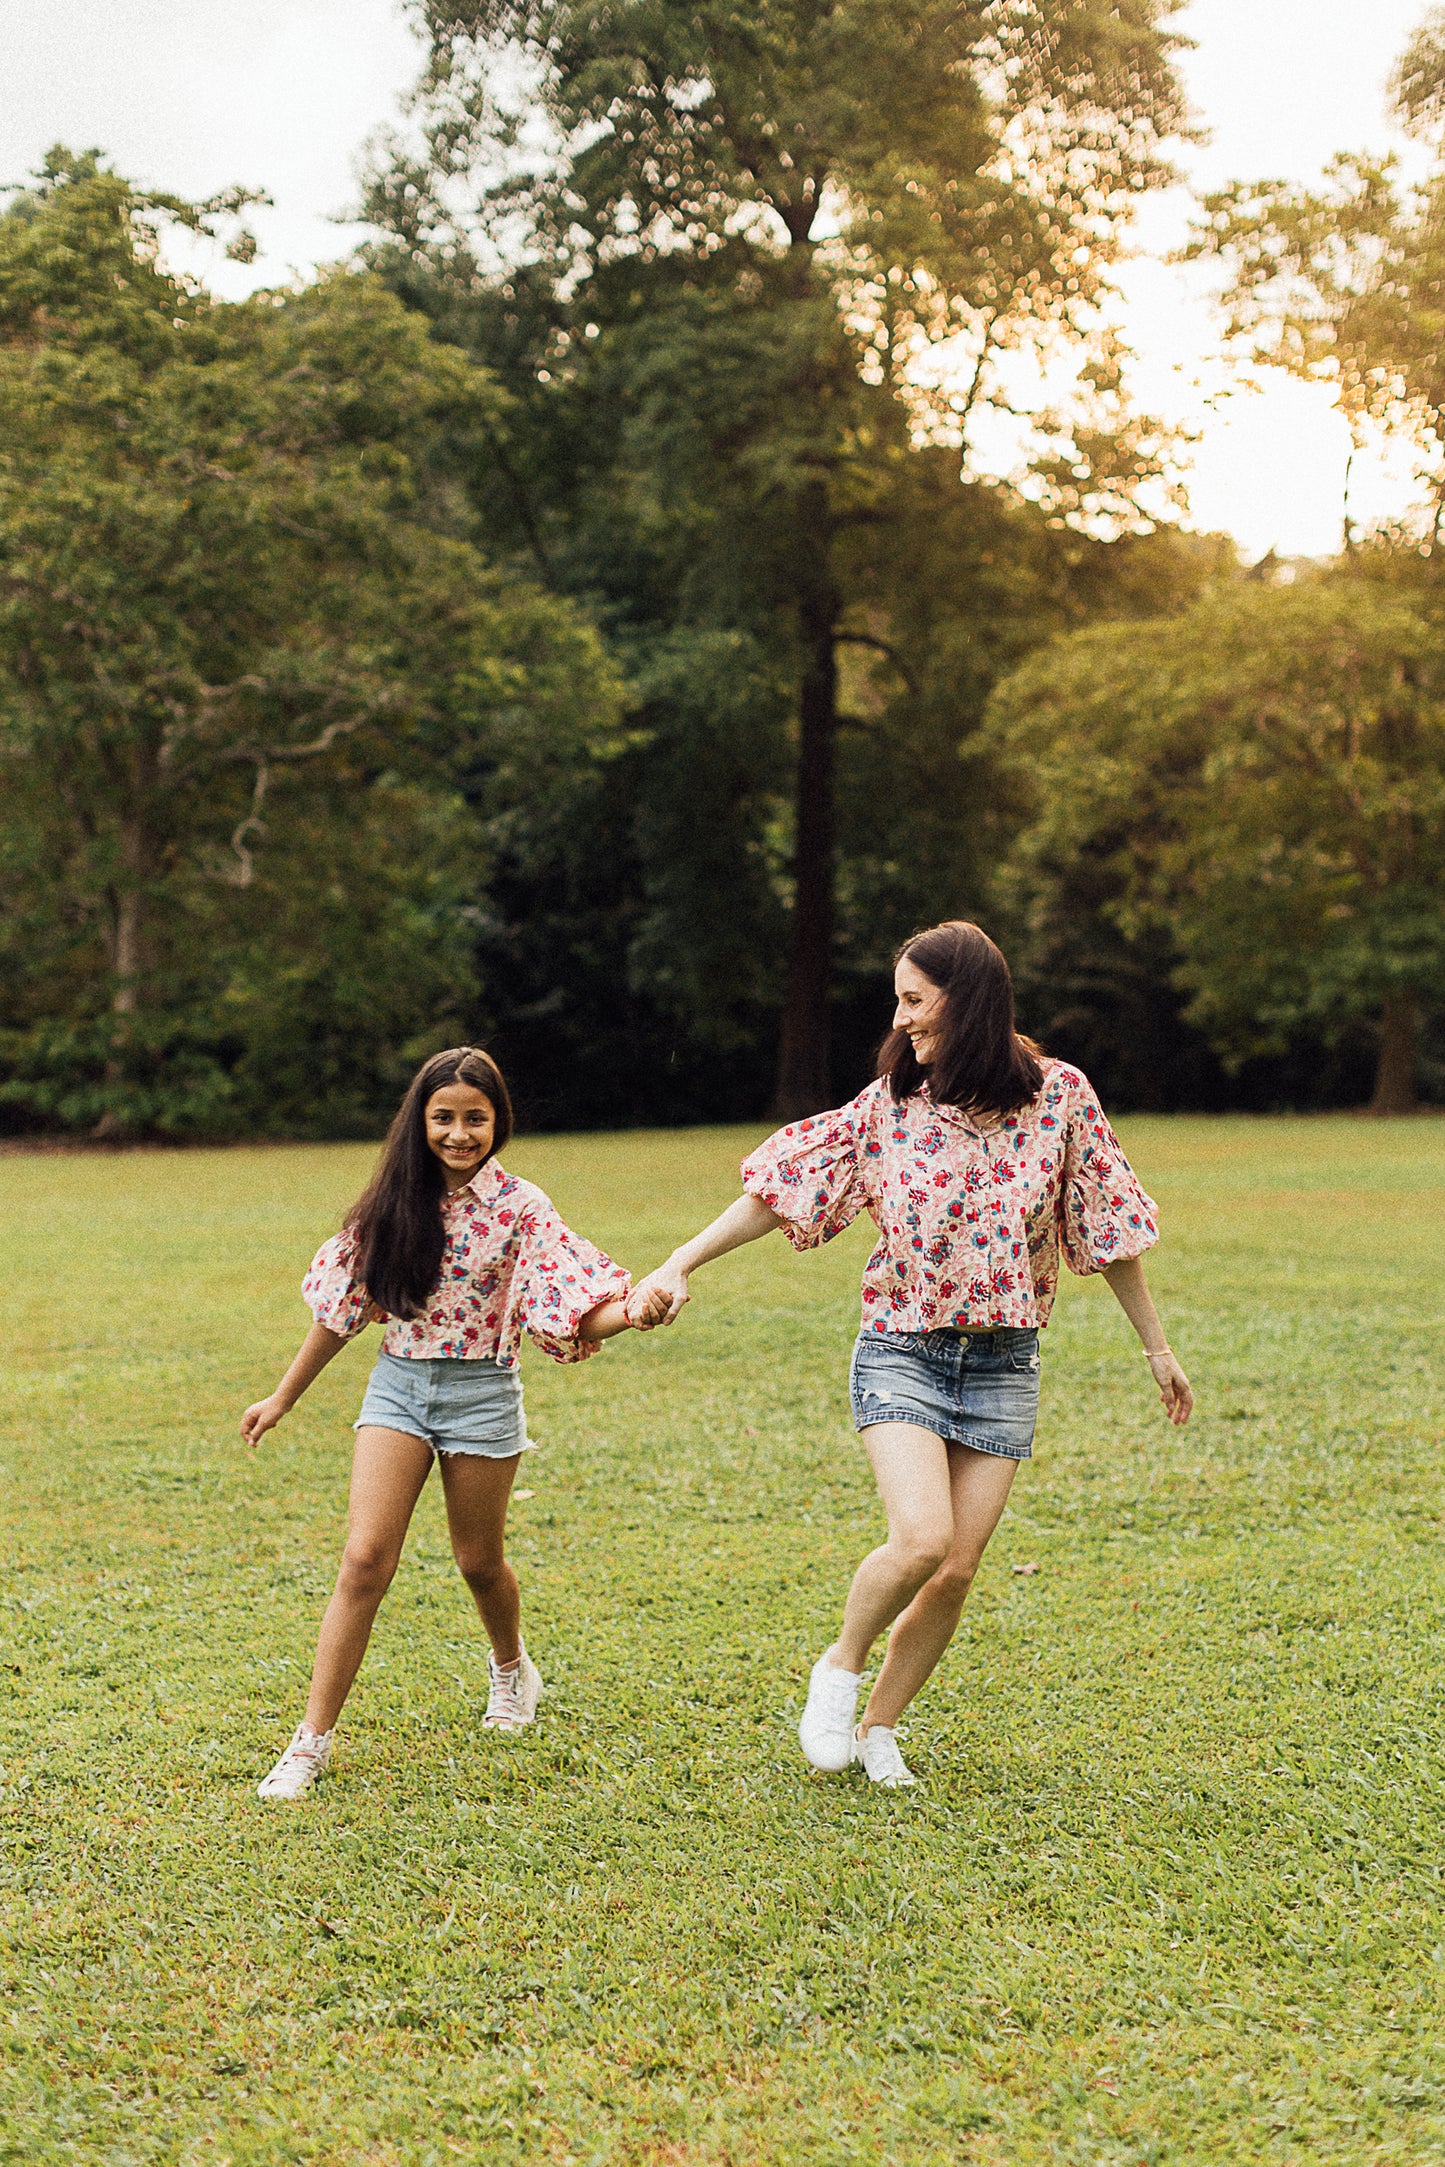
1131	1291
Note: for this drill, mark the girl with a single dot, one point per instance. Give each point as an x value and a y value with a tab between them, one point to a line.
979	1158
461	1258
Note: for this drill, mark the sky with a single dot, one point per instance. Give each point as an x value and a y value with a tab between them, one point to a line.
193	95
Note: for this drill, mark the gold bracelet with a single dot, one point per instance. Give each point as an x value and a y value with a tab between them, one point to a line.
1152	1354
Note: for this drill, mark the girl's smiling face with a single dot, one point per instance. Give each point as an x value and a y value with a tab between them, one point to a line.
461	1123
919	1010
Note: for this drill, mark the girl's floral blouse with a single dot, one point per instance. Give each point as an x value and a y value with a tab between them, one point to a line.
510	1265
971	1220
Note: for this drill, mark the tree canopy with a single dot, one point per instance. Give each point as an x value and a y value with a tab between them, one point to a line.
237	600
586	623
1342	283
1268	786
767	273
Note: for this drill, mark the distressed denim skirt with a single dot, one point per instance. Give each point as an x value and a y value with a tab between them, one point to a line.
979	1389
450	1404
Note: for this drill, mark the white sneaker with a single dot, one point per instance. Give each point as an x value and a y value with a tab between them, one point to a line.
303	1761
512	1701
826	1731
877	1754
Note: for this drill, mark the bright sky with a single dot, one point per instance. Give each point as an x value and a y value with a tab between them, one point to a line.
192	95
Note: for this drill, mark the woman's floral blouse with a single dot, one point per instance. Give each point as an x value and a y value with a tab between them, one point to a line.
971	1219
510	1265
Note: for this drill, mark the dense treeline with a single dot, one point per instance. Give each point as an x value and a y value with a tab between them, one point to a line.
572	627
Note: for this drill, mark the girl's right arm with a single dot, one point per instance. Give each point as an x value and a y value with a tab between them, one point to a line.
745	1221
317	1349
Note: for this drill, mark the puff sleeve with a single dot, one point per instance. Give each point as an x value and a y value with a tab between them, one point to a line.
331	1291
1104	1215
564	1277
812	1173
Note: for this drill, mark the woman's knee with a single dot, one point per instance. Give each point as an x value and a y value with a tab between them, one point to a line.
955	1576
921	1548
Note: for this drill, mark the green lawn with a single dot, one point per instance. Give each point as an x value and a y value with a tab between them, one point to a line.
1170	1889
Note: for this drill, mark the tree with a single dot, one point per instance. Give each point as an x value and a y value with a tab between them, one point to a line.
772	255
1345	283
1268	788
229	573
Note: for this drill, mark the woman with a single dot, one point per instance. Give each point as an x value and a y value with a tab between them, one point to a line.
979	1158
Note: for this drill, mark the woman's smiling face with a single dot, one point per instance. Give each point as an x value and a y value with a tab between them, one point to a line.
461	1123
919	1009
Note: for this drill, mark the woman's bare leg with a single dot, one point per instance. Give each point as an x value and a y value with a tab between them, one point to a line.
477	1491
980	1483
388	1471
911	1467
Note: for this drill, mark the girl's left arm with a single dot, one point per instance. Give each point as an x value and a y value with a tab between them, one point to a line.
610	1318
561	1269
1131	1290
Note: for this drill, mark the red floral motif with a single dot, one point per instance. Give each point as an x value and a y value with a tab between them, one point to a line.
1053	1175
505	1247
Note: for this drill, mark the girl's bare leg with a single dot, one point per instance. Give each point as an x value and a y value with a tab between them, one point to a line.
477	1491
980	1483
388	1471
911	1467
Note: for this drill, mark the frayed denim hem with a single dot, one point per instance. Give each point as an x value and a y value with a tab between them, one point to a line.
974	1442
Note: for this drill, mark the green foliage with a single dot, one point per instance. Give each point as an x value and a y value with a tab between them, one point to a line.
1167	1891
745	279
234	574
1343	282
1267	785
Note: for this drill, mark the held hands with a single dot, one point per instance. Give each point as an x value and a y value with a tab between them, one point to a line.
658	1298
1176	1395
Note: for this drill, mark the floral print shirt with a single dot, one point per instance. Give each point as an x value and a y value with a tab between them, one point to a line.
510	1265
971	1219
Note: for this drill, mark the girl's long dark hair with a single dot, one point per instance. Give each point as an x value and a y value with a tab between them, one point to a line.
398	1221
983	1064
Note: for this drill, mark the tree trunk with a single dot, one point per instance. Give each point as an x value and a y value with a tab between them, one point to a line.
125	953
1395	1075
125	963
804	1080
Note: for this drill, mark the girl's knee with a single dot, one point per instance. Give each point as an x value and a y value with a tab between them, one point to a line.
367	1568
481	1569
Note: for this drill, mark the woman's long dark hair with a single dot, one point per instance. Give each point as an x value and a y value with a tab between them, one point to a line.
398	1221
982	1064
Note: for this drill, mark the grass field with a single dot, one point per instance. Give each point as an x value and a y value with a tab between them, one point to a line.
1171	1888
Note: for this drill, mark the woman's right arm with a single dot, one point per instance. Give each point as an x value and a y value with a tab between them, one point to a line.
316	1350
745	1221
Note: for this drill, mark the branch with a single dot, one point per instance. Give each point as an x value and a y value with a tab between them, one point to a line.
884	647
268	755
252	824
294	526
265	758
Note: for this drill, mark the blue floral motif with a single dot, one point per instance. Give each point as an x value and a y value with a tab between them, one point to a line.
1051	1175
510	1264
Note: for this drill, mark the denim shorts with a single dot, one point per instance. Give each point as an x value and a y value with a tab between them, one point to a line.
969	1388
451	1405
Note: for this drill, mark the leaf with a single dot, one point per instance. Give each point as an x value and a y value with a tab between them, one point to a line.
520	1494
1031	1567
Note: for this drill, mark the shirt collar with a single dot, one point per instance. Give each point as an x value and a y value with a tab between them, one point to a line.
957	1118
484	1180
